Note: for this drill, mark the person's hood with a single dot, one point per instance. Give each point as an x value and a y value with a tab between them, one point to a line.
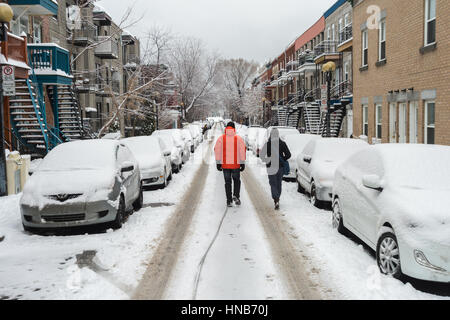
230	131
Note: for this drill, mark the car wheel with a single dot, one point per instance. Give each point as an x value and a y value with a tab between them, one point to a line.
337	219
120	216
313	196
138	204
300	189
388	255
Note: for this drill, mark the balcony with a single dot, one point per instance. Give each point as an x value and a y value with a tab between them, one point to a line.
101	18
131	61
14	53
34	7
83	34
51	63
107	48
326	51
306	62
346	39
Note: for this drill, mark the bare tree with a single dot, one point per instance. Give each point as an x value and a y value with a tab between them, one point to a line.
194	70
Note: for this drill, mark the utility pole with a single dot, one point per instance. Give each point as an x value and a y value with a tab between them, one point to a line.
329	68
6	15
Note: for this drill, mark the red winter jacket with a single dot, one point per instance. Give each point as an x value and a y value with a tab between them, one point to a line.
230	150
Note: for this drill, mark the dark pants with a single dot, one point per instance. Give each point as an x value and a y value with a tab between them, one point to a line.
232	175
276	183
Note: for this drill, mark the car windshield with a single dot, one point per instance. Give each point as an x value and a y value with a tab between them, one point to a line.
167	138
81	155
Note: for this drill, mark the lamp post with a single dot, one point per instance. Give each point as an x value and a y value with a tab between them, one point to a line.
6	15
329	68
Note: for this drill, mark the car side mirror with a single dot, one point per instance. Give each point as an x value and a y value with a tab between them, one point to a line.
127	167
167	153
307	159
372	181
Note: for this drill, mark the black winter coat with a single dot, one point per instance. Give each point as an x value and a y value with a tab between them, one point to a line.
266	152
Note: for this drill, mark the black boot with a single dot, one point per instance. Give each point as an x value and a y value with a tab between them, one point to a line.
229	204
277	204
237	201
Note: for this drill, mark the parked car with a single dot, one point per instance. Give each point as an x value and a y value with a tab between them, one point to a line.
284	131
82	183
252	137
195	134
396	198
260	141
153	159
317	163
296	143
242	131
180	141
190	140
176	149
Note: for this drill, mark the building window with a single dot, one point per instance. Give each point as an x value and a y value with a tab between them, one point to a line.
430	22
347	19
347	71
382	41
365	48
379	120
402	123
430	122
392	123
329	33
365	117
333	30
37	34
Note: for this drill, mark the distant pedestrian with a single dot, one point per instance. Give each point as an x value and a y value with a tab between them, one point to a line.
230	155
275	154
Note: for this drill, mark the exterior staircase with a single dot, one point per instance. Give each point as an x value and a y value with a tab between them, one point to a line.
312	118
28	119
69	116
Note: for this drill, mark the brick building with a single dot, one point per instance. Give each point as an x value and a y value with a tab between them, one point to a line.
401	71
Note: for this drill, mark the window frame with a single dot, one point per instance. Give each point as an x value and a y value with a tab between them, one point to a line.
413	122
427	21
426	125
365	120
365	47
392	122
382	40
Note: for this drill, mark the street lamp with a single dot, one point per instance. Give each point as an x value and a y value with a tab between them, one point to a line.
6	15
328	68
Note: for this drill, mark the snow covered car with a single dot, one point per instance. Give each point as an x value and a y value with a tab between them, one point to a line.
317	163
396	199
82	183
176	151
195	134
284	131
180	141
260	141
242	131
296	143
153	159
188	137
252	137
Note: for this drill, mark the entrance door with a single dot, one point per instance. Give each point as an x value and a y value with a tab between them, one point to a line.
413	122
402	123
393	123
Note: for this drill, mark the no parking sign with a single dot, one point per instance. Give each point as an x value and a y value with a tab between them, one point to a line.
8	81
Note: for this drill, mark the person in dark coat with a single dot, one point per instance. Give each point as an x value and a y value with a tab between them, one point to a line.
273	154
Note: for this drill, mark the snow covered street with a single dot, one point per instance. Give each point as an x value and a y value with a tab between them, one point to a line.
173	248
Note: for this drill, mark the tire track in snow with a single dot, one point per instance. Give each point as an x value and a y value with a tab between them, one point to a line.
291	265
156	277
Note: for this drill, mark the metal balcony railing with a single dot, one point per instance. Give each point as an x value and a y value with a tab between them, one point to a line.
306	57
326	47
107	48
83	33
345	88
49	56
346	34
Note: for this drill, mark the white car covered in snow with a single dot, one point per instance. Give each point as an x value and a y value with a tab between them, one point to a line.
175	147
296	143
317	163
153	158
82	183
189	139
180	140
396	198
195	134
283	131
252	137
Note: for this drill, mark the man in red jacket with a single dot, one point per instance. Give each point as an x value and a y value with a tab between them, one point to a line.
230	154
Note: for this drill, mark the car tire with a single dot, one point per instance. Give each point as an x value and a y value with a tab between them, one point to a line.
300	189
139	202
120	216
388	255
337	218
313	196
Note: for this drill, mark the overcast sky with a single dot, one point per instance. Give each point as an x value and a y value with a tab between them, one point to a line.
252	29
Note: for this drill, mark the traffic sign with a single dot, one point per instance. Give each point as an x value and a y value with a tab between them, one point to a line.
324	98
8	81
